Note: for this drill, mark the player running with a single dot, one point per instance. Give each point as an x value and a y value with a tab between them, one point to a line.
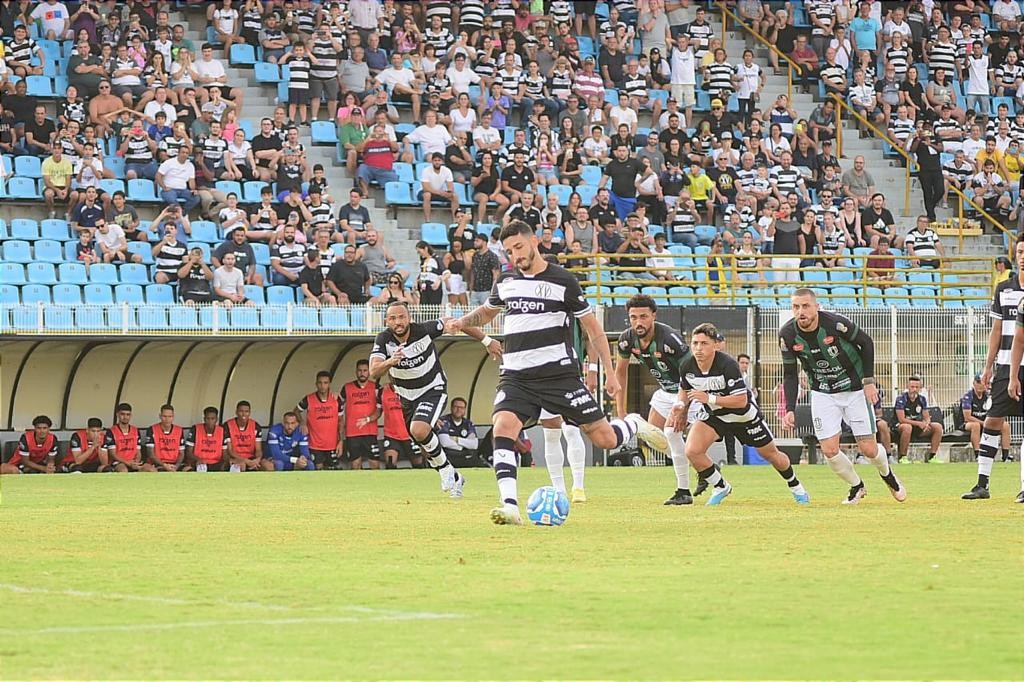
660	349
538	366
1006	315
713	378
839	359
405	351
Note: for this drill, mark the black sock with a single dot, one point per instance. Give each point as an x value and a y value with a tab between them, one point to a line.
712	476
982	481
890	480
789	477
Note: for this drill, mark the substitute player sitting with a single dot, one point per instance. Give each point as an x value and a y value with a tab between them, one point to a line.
36	452
165	442
86	453
713	379
206	444
839	359
245	441
662	350
289	446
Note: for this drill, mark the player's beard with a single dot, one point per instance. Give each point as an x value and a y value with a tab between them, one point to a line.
525	264
400	330
642	332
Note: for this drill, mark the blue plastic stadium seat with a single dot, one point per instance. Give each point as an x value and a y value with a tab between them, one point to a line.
435	234
103	273
334	318
228	187
591	175
305	318
255	294
58	318
815	275
183	317
280	295
42	273
486	228
324	133
404	171
31	294
922	297
273	318
116	165
90	318
22	188
397	193
206	318
706	233
159	293
67	294
265	72
53	228
144	249
49	251
242	54
98	294
8	294
23	228
897	296
39	86
72	273
141	189
112	185
152	317
244	317
622	294
17	251
205	231
845	297
262	253
251	191
128	293
134	273
921	278
202	246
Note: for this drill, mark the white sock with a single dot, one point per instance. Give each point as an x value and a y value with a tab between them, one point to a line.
576	451
505	470
681	465
881	461
554	458
1021	471
843	468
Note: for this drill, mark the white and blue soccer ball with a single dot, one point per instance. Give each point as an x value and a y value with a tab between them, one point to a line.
547	506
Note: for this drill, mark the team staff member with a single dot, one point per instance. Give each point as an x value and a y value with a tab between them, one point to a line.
36	452
359	403
245	440
165	444
206	444
289	446
86	453
320	419
458	435
124	443
913	420
973	409
397	441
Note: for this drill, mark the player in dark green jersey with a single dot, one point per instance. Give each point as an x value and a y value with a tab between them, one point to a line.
662	350
839	360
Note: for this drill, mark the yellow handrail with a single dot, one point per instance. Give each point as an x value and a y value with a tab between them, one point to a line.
726	12
841	104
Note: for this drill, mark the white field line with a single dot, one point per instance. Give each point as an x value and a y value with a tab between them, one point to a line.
139	627
367	613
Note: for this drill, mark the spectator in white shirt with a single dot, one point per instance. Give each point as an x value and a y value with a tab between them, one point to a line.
56	21
431	137
229	283
402	84
438	183
176	180
113	243
211	72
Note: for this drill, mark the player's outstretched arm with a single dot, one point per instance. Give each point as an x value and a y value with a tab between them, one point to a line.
1016	355
493	346
379	366
478	317
598	342
622	376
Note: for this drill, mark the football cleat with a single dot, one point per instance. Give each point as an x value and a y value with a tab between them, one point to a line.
679	497
899	493
702	485
802	498
448	478
201	468
978	492
718	495
1020	497
857	493
578	495
648	433
506	515
456	492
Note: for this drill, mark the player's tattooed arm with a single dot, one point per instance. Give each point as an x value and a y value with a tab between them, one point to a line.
478	317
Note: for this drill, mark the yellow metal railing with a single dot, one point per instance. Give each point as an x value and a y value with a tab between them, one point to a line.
791	65
910	164
721	283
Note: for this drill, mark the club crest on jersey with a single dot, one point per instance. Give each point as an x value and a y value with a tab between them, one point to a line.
842	327
623	344
833	352
543	291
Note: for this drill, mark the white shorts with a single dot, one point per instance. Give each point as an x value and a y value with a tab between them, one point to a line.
693	412
830	410
456	285
662	402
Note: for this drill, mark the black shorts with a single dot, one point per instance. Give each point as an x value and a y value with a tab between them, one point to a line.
402	447
754	433
427	408
325	459
298	96
361	447
564	396
1002	404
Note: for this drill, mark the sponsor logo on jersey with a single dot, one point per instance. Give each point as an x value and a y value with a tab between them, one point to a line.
829	340
797	347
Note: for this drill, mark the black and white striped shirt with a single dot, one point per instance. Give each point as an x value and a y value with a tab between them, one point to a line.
962	173
683	221
1005	304
471	15
299	73
327	59
786	179
720	77
21	52
560	11
170	256
290	256
213	151
825	13
942	56
534	85
441	40
443	9
722	379
1007	74
900	59
539	311
138	150
923	243
509	81
420	370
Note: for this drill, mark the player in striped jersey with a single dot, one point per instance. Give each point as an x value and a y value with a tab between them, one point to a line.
538	368
726	407
405	351
1006	310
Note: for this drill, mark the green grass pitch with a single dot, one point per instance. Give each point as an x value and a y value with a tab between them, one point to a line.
377	575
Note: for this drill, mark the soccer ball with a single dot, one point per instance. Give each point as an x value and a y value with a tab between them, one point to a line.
548	506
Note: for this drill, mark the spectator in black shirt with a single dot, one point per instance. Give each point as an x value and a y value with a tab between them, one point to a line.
245	257
266	147
21	106
608	239
515	179
311	281
672	132
484	270
525	211
39	134
547	245
348	279
195	279
602	212
458	158
622	171
613	62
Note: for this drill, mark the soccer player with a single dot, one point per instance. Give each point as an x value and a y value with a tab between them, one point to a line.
913	420
36	452
397	441
289	446
124	443
839	359
1000	370
974	407
245	441
206	444
405	351
662	350
165	444
320	419
713	378
86	453
538	367
359	404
